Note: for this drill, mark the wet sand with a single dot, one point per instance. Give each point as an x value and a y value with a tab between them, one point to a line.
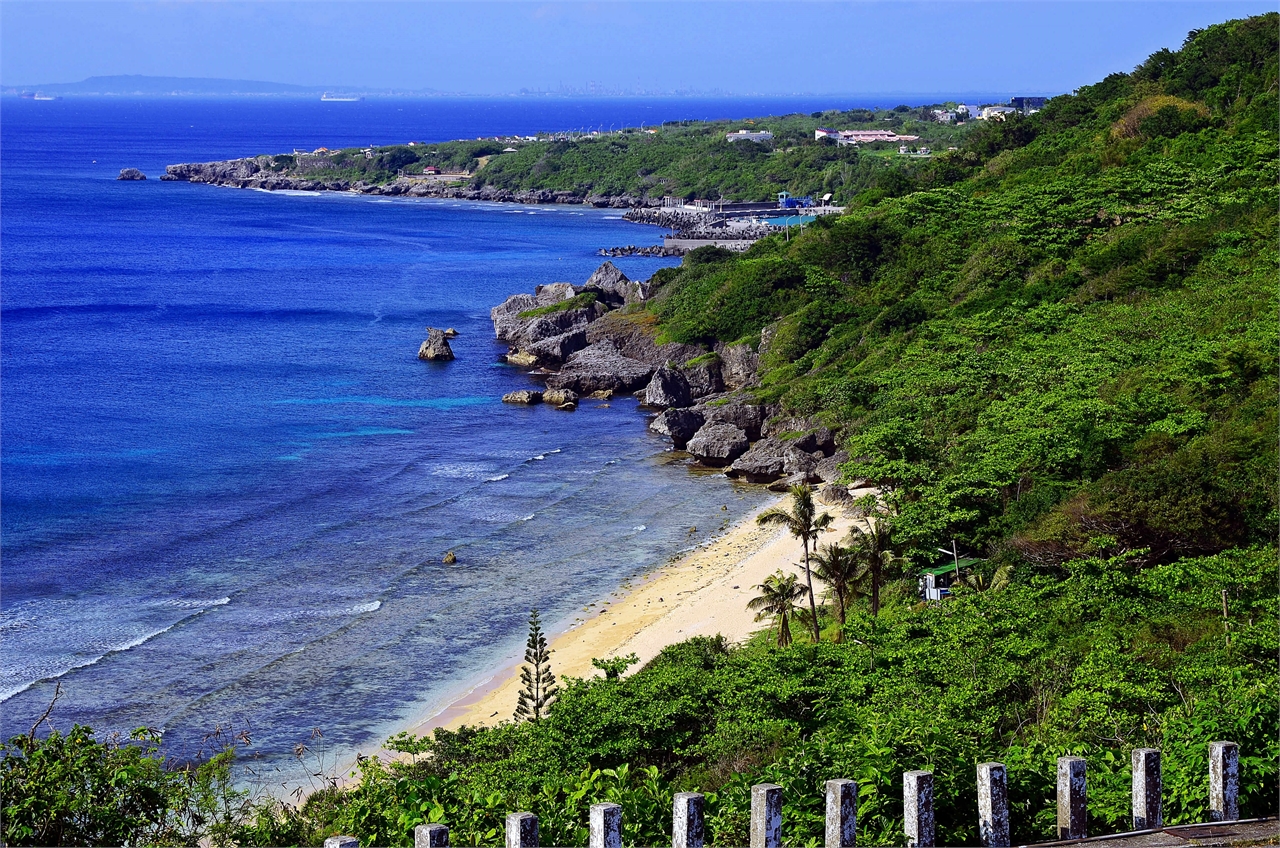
703	593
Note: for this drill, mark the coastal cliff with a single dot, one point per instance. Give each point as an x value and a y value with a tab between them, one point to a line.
596	339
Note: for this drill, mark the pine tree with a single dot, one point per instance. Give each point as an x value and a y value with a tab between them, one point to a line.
539	683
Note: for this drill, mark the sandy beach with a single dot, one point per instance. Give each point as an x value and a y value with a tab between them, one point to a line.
703	593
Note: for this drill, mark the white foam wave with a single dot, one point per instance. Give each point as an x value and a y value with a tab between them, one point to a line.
360	609
115	649
496	479
641	528
529	517
197	603
540	457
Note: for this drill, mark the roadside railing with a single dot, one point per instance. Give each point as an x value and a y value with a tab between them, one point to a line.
688	828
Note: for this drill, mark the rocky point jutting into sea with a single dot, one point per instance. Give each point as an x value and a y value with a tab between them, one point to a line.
257	173
595	339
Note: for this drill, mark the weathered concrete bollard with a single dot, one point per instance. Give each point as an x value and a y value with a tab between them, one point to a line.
1224	781
686	824
917	802
1072	798
842	814
993	805
1147	789
766	816
431	836
341	842
522	830
605	826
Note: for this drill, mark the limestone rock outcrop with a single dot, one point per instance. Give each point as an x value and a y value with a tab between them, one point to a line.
131	174
598	367
718	445
559	397
668	387
526	396
436	347
679	424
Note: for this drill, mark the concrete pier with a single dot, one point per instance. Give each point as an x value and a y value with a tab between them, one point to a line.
522	830
431	836
1072	797
993	805
842	814
766	816
687	830
1224	781
1147	789
605	826
917	802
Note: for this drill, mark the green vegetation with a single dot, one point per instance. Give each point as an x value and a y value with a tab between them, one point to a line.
803	522
578	301
538	685
1057	345
688	159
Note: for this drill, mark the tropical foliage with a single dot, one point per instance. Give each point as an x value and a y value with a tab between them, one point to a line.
1057	345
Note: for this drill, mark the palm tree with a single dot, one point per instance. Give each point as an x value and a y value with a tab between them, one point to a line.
980	583
804	525
872	547
846	577
777	600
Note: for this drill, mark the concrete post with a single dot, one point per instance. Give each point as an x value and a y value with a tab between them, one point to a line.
1147	789
1224	781
842	814
1072	795
917	802
686	825
431	836
522	830
766	816
605	826
341	842
993	805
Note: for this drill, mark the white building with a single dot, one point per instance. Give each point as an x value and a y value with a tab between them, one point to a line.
745	135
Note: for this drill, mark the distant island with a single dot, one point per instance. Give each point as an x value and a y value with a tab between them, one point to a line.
138	85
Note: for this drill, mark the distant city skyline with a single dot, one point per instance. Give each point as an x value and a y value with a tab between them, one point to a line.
495	48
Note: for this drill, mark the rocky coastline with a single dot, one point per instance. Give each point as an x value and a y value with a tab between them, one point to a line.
595	341
260	172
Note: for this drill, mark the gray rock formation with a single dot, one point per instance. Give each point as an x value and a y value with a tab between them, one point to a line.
450	333
829	468
728	409
552	352
738	364
553	293
667	388
131	174
507	325
772	458
613	287
600	366
436	347
704	378
559	397
523	396
718	444
679	424
633	337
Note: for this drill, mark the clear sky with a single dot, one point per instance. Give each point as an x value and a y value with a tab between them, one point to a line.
1033	46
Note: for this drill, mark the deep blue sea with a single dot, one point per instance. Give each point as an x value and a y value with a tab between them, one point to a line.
227	480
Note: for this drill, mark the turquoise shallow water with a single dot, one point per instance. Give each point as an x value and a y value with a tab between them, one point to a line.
227	480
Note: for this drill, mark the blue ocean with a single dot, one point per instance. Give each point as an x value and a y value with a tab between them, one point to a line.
228	482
